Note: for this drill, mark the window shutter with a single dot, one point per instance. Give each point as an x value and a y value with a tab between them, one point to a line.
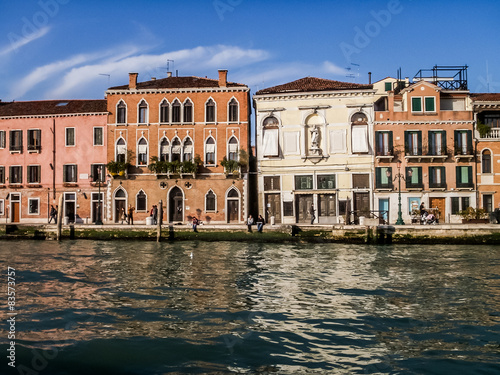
390	143
443	176
419	171
378	179
432	142
469	142
469	173
407	142
65	173
443	141
419	137
459	175
456	136
270	142
431	175
359	138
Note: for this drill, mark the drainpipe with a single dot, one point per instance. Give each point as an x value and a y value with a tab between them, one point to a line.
53	158
475	161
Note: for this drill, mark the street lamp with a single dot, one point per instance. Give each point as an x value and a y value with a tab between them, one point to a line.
99	210
399	176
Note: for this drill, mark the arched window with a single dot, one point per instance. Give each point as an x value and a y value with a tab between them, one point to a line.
176	111
359	133
176	150
143	112
188	111
121	151
486	161
164	149
164	109
233	193
210	151
210	111
120	193
233	110
232	149
210	201
121	113
142	151
270	140
141	202
187	151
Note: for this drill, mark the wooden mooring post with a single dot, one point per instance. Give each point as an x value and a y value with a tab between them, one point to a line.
159	221
59	217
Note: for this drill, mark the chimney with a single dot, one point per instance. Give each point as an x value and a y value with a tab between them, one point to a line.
369	78
222	78
132	81
169	74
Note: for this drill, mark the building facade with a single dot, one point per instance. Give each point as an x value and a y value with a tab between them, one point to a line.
49	148
424	144
487	132
183	141
314	151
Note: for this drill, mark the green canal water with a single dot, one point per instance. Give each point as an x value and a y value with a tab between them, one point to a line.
123	307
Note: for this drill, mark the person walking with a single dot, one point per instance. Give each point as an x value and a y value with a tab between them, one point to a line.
130	216
123	215
312	211
53	214
260	223
250	223
195	223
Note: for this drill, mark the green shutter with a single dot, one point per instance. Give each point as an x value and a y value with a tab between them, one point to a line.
419	137
378	179
407	143
469	173
429	104
431	176
432	136
416	104
456	134
390	143
455	205
469	142
443	176
443	140
388	86
419	175
459	175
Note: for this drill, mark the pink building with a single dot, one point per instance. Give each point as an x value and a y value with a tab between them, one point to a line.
48	148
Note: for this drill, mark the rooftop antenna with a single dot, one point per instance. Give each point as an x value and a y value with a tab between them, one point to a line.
169	72
108	75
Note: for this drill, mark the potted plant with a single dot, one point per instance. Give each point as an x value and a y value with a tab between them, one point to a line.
483	129
231	167
474	216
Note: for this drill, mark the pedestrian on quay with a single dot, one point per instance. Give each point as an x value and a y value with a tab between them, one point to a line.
123	215
312	211
250	223
53	214
260	223
195	223
130	216
155	214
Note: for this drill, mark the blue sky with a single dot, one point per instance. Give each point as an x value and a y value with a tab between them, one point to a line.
70	49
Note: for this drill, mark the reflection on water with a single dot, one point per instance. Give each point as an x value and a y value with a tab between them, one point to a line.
191	307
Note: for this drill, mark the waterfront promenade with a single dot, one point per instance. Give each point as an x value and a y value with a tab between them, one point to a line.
445	233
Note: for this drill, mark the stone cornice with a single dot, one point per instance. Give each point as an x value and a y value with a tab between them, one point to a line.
176	91
314	95
437	122
54	116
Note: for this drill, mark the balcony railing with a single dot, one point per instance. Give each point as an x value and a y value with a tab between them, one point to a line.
494	133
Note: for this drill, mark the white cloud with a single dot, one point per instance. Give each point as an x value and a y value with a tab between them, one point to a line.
17	41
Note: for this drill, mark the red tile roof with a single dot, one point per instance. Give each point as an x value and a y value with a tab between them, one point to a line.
51	107
313	84
485	97
178	83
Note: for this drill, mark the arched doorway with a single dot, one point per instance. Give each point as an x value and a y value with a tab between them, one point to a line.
120	203
233	206
176	205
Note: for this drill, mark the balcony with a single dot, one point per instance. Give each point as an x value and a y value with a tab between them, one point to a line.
466	154
494	133
437	186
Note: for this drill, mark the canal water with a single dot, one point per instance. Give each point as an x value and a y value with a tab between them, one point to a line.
121	307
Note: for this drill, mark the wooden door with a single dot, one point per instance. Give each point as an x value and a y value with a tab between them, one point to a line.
302	209
119	205
232	211
273	207
440	204
15	216
176	211
326	204
361	205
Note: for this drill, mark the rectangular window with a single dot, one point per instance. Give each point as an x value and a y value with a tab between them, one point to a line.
488	202
143	114
2	207
437	177
463	142
459	204
98	172
416	104
34	174
33	206
413	177
430	104
437	143
326	181
2	138
413	143
70	136
361	181
271	183
270	143
464	177
288	208
2	175
16	141
303	182
16	175
383	177
359	135
383	143
34	140
98	136
176	112
69	173
388	86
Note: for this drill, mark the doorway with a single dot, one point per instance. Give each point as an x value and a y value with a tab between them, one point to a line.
70	206
383	207
273	207
233	206
96	206
440	204
327	204
361	206
303	205
15	208
175	203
